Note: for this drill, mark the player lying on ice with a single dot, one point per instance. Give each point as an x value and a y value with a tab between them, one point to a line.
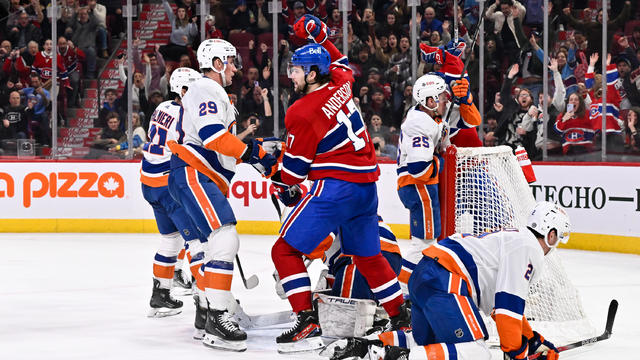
328	143
459	276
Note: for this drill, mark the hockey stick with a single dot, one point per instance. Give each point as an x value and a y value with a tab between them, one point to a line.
262	320
249	283
466	61
611	316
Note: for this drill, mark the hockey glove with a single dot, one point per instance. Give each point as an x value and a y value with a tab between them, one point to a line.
538	344
432	54
461	91
520	353
290	195
312	28
264	162
273	146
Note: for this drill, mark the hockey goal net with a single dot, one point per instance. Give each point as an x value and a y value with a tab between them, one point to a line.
483	190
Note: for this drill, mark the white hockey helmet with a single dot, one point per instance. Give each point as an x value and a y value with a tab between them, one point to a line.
428	86
214	48
548	216
182	77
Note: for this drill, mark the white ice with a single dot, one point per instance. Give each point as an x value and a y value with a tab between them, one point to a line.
85	296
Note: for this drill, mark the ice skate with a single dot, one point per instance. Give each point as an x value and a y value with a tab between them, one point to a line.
349	348
162	304
221	332
402	321
182	283
201	319
305	335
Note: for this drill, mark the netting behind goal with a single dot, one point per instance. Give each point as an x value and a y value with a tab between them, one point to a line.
485	190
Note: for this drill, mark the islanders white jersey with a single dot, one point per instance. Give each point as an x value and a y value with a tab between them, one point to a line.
165	125
421	137
497	268
208	116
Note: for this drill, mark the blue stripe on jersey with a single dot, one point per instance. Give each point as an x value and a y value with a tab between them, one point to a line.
166	259
155	168
342	61
509	302
212	158
320	167
295	165
402	339
296	283
451	348
217	264
386	234
209	130
337	137
612	76
408	264
467	260
417	167
402	169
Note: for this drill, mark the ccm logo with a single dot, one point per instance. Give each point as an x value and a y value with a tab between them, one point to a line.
65	185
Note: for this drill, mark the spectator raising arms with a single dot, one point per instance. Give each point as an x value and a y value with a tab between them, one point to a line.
183	32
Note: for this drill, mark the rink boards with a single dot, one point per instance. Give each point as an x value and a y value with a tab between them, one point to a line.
603	200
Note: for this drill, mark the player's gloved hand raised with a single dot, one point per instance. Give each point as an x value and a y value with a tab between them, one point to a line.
309	26
461	91
432	54
264	162
538	344
520	353
290	195
273	146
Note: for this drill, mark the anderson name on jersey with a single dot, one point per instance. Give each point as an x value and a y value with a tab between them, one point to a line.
165	125
332	142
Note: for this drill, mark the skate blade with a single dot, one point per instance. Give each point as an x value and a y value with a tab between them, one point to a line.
198	334
180	291
304	345
215	342
162	312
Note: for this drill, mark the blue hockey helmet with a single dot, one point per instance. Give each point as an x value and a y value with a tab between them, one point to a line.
309	55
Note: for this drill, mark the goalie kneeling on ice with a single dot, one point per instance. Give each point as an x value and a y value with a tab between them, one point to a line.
344	317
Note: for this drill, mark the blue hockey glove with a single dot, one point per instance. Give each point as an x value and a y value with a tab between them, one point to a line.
290	195
539	344
264	162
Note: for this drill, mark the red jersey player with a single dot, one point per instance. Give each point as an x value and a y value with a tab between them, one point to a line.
328	143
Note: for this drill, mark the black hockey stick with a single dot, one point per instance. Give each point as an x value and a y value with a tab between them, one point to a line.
249	283
276	204
466	61
611	316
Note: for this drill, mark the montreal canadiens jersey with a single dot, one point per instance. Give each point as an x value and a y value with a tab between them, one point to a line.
208	115
421	137
165	125
327	137
497	269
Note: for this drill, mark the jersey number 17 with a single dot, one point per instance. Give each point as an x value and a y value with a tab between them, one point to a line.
349	120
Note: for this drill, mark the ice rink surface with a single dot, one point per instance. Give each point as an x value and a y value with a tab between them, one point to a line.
85	296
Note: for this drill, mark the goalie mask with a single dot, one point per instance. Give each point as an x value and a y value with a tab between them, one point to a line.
429	86
547	216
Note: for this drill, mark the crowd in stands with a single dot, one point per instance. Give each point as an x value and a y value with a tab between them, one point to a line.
380	54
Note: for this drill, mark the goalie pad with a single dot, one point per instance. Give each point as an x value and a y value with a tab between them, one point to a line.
343	317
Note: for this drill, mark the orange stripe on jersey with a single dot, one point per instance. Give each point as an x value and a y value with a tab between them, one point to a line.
510	332
155	182
425	179
436	352
387	338
470	317
227	144
347	281
470	114
526	328
181	254
218	281
319	251
454	285
201	198
427	211
389	247
448	262
184	154
163	272
404	276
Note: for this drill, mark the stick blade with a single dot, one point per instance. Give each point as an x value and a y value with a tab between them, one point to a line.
251	282
611	316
